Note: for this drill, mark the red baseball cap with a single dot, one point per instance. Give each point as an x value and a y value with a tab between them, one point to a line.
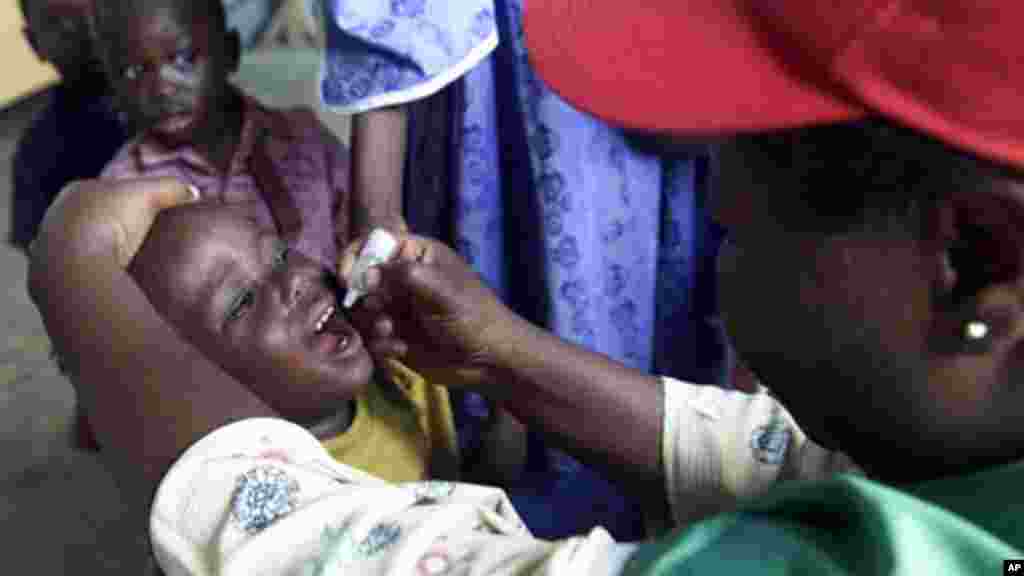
954	70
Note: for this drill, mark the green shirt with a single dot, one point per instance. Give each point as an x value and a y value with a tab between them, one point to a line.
851	525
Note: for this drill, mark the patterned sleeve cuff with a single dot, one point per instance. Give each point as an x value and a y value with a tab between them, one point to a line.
690	455
721	446
390	53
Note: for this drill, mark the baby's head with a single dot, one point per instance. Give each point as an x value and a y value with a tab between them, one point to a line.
60	32
169	62
267	316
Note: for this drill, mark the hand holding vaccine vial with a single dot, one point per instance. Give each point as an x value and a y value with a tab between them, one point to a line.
380	247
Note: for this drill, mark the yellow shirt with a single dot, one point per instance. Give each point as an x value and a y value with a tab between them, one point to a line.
406	435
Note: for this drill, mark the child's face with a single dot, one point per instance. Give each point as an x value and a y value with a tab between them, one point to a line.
169	69
268	317
60	32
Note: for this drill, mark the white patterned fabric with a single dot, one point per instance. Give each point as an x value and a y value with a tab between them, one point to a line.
263	497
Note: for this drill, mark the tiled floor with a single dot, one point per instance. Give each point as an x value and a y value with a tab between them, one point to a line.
60	512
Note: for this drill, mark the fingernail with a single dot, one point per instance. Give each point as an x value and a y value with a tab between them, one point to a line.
194	190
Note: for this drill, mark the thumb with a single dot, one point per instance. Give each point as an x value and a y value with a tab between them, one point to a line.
348	257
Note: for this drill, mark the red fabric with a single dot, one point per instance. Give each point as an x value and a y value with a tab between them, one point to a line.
950	69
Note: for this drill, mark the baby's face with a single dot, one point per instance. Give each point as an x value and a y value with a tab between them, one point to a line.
268	316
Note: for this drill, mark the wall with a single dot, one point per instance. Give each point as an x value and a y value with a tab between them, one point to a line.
23	73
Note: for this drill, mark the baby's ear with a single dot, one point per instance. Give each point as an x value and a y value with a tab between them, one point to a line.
233	50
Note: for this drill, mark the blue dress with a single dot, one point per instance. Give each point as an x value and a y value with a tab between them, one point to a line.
572	226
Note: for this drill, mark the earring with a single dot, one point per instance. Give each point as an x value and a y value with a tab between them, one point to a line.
975	331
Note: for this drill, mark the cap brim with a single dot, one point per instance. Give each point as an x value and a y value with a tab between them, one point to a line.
680	66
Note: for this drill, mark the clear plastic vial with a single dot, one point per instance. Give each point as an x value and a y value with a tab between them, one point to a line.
379	248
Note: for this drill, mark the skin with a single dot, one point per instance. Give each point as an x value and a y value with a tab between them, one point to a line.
430	309
77	271
238	294
860	335
170	66
379	140
200	263
862	339
60	32
872	359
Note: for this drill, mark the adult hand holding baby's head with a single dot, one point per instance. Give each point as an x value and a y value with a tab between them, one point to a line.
429	309
104	216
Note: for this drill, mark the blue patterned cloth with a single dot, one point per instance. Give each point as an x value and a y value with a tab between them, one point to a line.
619	249
389	52
579	232
620	237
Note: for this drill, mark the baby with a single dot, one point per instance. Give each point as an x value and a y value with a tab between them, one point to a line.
270	317
168	62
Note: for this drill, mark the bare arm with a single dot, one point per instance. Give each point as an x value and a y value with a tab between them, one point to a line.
605	413
150	395
378	151
432	310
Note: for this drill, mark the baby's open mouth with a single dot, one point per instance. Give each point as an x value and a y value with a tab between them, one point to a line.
321	324
331	334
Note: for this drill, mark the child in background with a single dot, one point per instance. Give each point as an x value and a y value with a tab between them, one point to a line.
78	132
169	62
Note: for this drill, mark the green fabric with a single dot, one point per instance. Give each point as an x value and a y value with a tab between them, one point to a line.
851	525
